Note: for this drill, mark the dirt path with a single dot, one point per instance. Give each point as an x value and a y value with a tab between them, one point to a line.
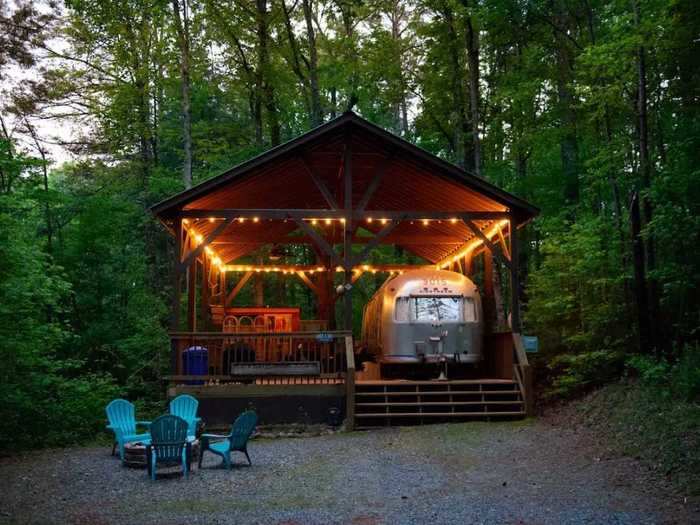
500	473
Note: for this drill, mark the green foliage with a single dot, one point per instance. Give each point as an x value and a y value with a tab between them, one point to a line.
573	374
87	272
43	403
676	378
577	296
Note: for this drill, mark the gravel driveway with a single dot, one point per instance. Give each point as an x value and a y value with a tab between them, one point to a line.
500	473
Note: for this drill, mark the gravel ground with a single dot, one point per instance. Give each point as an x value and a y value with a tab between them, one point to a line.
501	473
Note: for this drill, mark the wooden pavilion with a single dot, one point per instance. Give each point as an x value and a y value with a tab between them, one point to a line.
344	188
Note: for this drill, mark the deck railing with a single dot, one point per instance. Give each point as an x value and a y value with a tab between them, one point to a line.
268	357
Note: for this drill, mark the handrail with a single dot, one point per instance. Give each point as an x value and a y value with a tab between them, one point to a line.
349	383
520	349
523	373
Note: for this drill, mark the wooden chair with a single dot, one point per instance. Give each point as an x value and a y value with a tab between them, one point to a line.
169	445
122	421
236	440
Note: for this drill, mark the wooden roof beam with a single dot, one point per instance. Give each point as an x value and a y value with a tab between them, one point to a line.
282	214
319	183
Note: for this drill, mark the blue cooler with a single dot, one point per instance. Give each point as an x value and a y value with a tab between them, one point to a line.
195	362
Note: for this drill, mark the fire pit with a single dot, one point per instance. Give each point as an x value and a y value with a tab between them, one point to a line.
135	454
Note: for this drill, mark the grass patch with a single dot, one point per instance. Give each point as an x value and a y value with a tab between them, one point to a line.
662	431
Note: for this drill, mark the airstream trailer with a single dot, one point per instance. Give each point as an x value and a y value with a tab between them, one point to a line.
424	316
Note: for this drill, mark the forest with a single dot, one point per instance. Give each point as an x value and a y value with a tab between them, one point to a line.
589	109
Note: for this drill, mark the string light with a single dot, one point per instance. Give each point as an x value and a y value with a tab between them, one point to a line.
384	221
211	219
328	221
472	245
241	219
314	222
255	219
369	220
453	220
425	222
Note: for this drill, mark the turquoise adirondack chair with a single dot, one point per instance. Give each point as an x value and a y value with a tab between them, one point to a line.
122	421
185	407
169	444
236	440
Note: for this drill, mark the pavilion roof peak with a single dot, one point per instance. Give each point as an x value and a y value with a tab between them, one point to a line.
331	134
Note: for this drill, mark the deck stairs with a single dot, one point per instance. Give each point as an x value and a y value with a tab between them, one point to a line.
386	403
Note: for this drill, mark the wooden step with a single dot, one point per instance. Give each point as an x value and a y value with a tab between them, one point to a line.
433	403
441	414
433	393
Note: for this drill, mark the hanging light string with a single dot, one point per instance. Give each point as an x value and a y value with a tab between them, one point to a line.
471	245
216	260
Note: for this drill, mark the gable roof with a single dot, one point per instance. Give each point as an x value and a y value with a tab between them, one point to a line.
373	135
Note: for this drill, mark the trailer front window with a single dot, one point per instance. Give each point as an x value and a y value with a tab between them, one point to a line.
429	309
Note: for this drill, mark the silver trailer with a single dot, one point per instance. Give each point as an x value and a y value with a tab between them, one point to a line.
424	316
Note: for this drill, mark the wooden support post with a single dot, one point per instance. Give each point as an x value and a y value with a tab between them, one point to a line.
349	384
467	264
514	277
204	293
489	300
347	244
192	296
222	287
175	313
177	280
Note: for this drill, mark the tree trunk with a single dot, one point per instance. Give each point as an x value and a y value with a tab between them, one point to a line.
266	89
472	36
645	170
316	116
183	37
568	143
461	123
640	288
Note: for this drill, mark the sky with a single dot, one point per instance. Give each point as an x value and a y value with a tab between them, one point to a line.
50	130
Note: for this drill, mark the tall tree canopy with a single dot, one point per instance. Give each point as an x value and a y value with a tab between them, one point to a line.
588	108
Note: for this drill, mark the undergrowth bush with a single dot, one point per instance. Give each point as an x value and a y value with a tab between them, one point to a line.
574	374
678	376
